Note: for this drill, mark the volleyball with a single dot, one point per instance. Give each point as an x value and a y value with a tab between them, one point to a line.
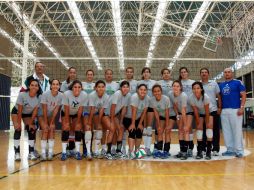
140	153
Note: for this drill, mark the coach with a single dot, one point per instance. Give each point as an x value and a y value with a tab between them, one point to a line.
233	96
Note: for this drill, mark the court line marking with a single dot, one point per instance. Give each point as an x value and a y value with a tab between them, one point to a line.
22	169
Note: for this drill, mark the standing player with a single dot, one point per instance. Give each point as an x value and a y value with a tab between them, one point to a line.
98	101
51	101
73	102
88	87
233	95
160	104
147	133
180	99
187	88
213	91
134	118
112	120
200	104
26	109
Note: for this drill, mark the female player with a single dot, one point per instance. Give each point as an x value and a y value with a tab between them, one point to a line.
187	88
166	83
98	101
134	118
179	99
113	117
200	104
51	101
73	102
160	104
147	133
26	109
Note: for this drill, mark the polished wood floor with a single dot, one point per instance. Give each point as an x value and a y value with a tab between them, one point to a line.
131	174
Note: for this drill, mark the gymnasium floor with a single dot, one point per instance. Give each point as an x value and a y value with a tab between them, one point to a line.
128	174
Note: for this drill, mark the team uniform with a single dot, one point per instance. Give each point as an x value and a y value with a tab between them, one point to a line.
28	104
65	86
88	87
231	122
212	89
166	86
74	104
52	102
111	88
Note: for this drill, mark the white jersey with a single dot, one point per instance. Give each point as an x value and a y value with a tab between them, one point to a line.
111	88
135	101
161	105
180	101
212	89
133	85
88	87
119	100
28	103
65	86
98	102
200	104
149	83
166	86
74	102
187	88
51	101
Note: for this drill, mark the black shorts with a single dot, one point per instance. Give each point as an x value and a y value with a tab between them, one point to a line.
127	122
214	113
190	113
162	118
149	109
72	116
15	111
172	117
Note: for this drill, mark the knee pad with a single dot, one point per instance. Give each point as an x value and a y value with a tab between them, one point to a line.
149	131
132	134
145	132
31	134
88	135
209	133
98	135
65	135
17	135
138	133
78	136
199	134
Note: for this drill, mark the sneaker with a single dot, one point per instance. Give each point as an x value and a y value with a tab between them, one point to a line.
31	156
17	157
109	156
199	155
113	151
120	155
132	156
84	154
228	153
98	155
50	156
64	156
184	156
155	151
43	157
148	152
89	157
103	152
239	155
78	156
157	154
36	153
208	156
189	153
124	150
179	155
165	155
216	153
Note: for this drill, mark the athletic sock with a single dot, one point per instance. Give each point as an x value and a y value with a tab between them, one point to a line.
51	143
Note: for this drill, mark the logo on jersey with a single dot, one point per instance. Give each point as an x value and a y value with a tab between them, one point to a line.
75	104
226	90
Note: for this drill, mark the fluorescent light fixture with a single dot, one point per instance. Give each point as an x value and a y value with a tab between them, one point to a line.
118	30
82	28
16	9
239	64
156	30
197	19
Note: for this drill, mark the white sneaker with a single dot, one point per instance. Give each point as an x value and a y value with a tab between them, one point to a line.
216	153
148	152
50	156
31	156
17	157
98	155
113	151
103	152
36	153
43	157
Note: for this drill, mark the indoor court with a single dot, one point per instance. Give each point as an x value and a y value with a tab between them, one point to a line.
112	36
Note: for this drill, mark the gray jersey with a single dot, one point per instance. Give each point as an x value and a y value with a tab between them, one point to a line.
111	88
88	87
200	104
119	100
28	102
212	89
180	101
149	83
74	102
135	101
166	86
187	88
98	102
133	85
64	86
160	105
51	101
